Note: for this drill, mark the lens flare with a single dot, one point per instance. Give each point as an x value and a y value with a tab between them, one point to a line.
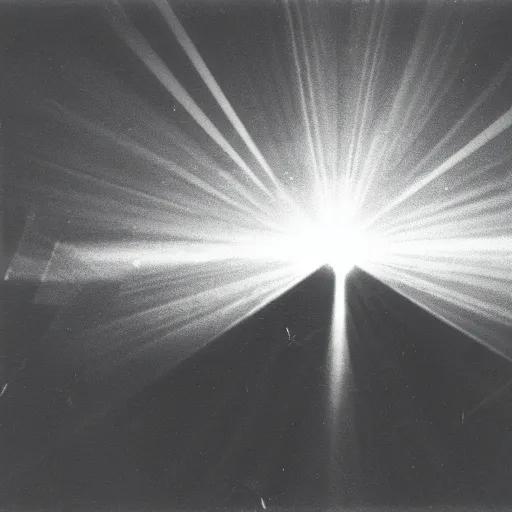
368	149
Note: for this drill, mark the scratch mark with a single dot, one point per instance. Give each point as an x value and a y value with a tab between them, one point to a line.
3	389
490	398
263	503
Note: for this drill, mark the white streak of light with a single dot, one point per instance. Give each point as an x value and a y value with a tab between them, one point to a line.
465	282
338	359
305	114
341	440
140	46
199	64
155	158
493	130
148	337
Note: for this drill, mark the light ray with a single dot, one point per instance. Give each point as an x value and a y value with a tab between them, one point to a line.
342	437
465	282
137	42
493	130
199	64
303	101
355	152
338	354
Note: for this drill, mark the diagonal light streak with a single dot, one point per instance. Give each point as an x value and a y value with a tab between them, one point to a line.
199	64
172	167
457	205
481	99
303	98
372	63
313	109
493	130
476	317
412	106
139	45
356	124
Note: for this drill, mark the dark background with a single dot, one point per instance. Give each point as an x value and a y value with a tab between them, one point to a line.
243	419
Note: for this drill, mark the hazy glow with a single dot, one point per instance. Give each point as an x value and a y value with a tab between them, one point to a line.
334	240
345	248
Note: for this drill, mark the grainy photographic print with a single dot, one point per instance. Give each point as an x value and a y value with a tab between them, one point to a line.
256	255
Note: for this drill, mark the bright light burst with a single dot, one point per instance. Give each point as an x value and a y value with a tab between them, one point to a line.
358	172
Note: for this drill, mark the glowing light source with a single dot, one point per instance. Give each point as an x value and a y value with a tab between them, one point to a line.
344	245
336	240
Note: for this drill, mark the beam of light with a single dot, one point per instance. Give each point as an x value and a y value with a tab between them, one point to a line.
484	96
493	130
162	321
465	282
382	150
151	156
313	149
137	42
338	368
363	101
344	465
199	64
